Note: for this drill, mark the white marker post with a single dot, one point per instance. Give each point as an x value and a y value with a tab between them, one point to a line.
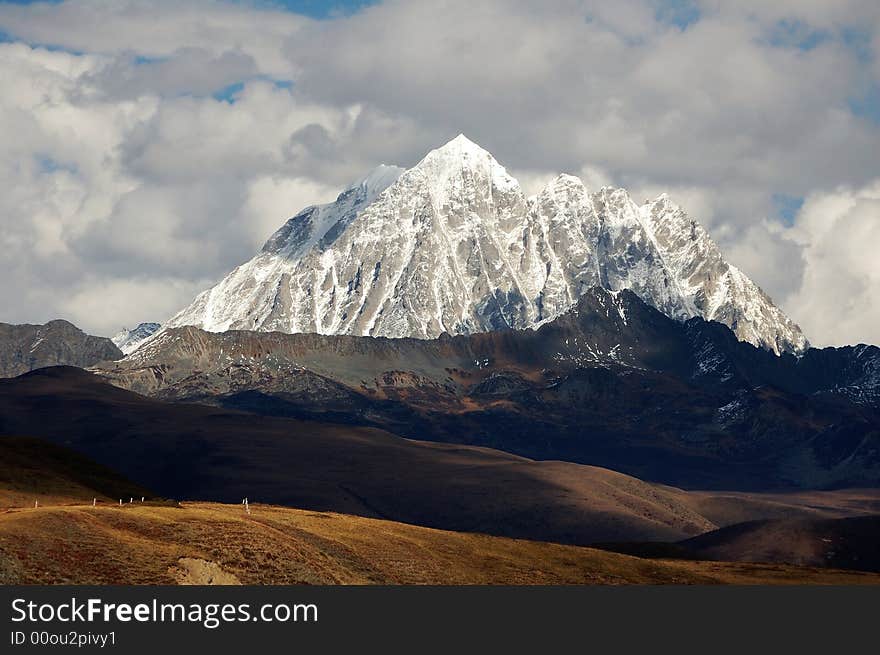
94	502
36	504
142	499
120	502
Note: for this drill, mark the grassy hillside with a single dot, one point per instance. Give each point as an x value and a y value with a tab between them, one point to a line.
204	453
206	543
36	470
847	543
67	541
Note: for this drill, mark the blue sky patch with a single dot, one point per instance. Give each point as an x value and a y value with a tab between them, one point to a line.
796	34
859	41
681	13
47	164
867	104
321	9
230	93
787	207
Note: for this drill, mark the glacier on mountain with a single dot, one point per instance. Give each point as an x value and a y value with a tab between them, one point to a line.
130	340
452	245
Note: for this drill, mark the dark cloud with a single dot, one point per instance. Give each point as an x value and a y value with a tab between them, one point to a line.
186	71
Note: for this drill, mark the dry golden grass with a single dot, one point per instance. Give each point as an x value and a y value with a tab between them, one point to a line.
204	543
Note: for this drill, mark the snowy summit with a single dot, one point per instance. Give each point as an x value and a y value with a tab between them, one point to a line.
128	340
453	245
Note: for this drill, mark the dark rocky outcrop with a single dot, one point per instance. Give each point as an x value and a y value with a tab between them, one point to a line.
24	348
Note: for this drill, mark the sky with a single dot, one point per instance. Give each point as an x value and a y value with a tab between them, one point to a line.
149	146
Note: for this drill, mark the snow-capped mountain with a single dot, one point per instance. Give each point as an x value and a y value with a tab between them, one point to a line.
128	340
453	245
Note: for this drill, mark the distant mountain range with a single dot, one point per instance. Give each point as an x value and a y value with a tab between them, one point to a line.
612	382
26	347
439	303
435	349
454	246
194	452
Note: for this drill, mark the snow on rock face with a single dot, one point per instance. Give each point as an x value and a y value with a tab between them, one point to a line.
712	288
453	245
128	340
317	222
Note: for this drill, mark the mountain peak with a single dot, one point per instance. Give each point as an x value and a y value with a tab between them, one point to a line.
314	223
378	179
663	200
462	144
461	164
129	340
460	150
454	246
60	323
563	181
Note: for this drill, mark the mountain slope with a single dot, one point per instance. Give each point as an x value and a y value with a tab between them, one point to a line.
257	294
34	469
843	543
453	245
612	382
128	340
24	348
209	543
712	288
197	452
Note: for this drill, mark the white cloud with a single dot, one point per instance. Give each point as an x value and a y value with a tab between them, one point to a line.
99	302
819	13
189	70
272	196
108	191
839	232
158	28
122	171
765	252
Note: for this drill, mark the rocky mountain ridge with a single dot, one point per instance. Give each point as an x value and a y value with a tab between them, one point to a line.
613	381
27	347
